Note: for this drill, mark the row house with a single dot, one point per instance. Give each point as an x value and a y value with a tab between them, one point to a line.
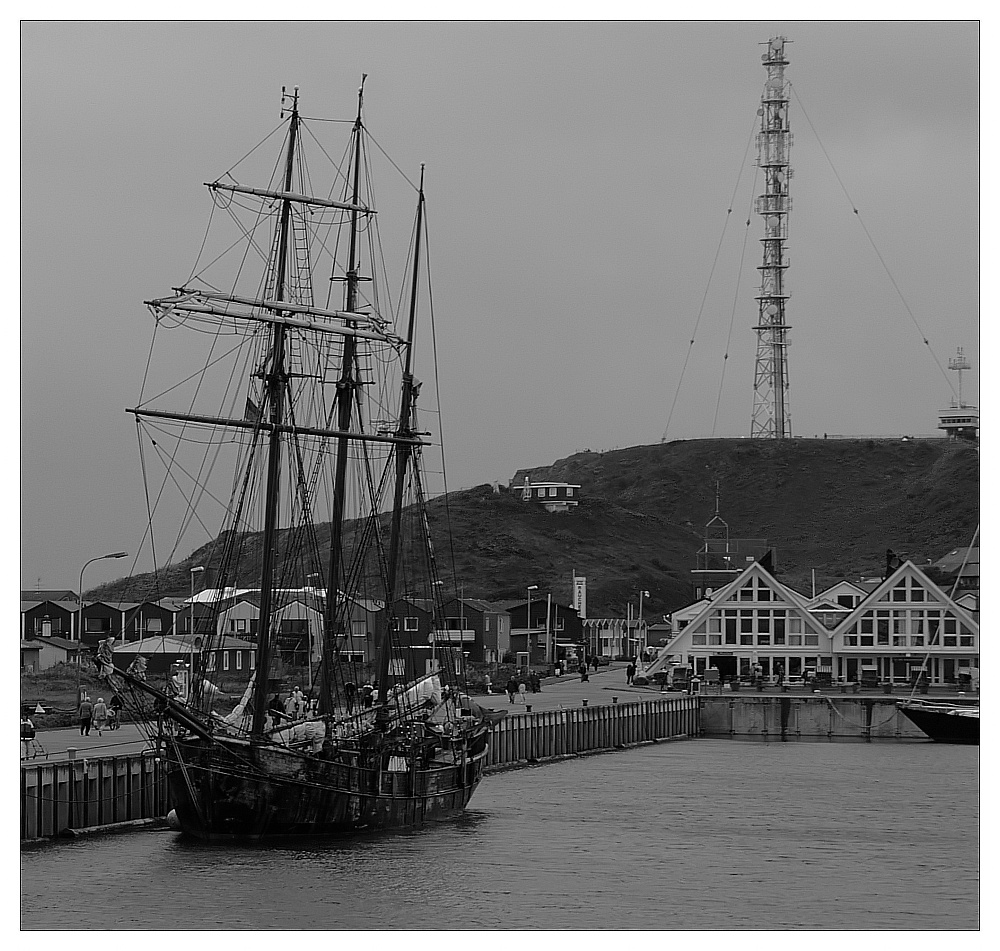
615	637
545	634
226	654
479	629
848	633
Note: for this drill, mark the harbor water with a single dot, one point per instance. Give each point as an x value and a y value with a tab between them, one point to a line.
691	834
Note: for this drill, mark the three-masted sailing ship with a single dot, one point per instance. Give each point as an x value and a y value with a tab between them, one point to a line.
312	364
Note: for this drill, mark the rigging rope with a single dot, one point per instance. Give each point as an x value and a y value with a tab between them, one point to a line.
871	241
708	283
732	316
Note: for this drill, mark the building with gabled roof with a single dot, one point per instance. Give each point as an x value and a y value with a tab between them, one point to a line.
905	625
752	620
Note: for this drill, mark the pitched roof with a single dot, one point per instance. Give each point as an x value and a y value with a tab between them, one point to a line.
47	594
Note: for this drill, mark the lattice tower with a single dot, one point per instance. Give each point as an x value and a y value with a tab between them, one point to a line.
771	415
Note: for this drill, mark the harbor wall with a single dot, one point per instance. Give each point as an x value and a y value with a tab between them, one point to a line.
117	791
553	734
57	798
785	719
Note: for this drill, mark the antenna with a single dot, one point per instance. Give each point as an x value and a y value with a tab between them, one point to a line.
293	98
771	416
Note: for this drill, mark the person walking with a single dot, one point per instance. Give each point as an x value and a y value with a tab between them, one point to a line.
522	689
630	672
85	715
100	715
511	688
584	676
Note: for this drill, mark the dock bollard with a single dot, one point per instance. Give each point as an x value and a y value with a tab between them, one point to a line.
614	699
71	752
585	702
527	707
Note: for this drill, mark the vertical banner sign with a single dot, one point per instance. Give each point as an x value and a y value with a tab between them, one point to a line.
580	595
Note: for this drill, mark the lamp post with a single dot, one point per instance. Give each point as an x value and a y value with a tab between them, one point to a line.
194	571
638	630
79	625
527	636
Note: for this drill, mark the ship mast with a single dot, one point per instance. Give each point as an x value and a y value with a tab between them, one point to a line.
771	416
275	381
346	389
404	453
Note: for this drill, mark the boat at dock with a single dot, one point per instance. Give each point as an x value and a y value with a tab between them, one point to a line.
943	722
309	406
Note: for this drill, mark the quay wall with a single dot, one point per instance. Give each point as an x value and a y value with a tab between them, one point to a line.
553	734
821	717
59	798
65	797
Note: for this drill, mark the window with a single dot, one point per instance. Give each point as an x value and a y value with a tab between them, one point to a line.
917	594
795	625
746	639
730	628
154	624
917	641
715	624
746	594
898	641
746	623
764	640
868	625
850	640
764	622
951	641
764	594
812	640
239	659
225	660
846	600
410	624
867	640
569	491
253	660
899	592
698	640
397	667
714	640
210	661
779	628
794	640
966	640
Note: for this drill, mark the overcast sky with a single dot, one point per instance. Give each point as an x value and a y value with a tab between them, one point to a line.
578	181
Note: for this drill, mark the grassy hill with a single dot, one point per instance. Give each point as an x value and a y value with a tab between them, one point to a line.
829	505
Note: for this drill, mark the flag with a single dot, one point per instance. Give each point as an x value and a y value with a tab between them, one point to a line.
252	414
767	562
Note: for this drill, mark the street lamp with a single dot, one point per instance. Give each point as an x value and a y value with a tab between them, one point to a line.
194	571
638	630
79	625
527	636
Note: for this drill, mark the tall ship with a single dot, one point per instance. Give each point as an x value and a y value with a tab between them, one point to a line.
280	399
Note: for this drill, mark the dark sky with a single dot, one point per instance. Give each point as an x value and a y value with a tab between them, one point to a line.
578	181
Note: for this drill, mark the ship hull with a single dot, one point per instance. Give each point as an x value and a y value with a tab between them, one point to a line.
226	789
942	724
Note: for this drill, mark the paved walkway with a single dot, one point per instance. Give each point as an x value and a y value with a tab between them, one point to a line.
113	743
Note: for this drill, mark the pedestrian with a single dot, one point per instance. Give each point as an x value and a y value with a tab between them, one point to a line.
584	676
536	683
350	691
780	671
630	672
366	695
522	689
100	715
276	708
511	688
593	661
85	715
489	683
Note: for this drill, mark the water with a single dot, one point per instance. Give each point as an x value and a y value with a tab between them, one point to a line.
706	834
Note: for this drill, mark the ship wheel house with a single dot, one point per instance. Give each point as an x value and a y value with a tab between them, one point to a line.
907	623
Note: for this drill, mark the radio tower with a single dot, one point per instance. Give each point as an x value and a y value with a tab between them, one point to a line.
771	416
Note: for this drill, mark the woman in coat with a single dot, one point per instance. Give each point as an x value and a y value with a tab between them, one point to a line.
100	715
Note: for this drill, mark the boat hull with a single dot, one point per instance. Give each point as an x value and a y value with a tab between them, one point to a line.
225	789
943	724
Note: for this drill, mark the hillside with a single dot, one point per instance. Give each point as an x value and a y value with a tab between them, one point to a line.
829	505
